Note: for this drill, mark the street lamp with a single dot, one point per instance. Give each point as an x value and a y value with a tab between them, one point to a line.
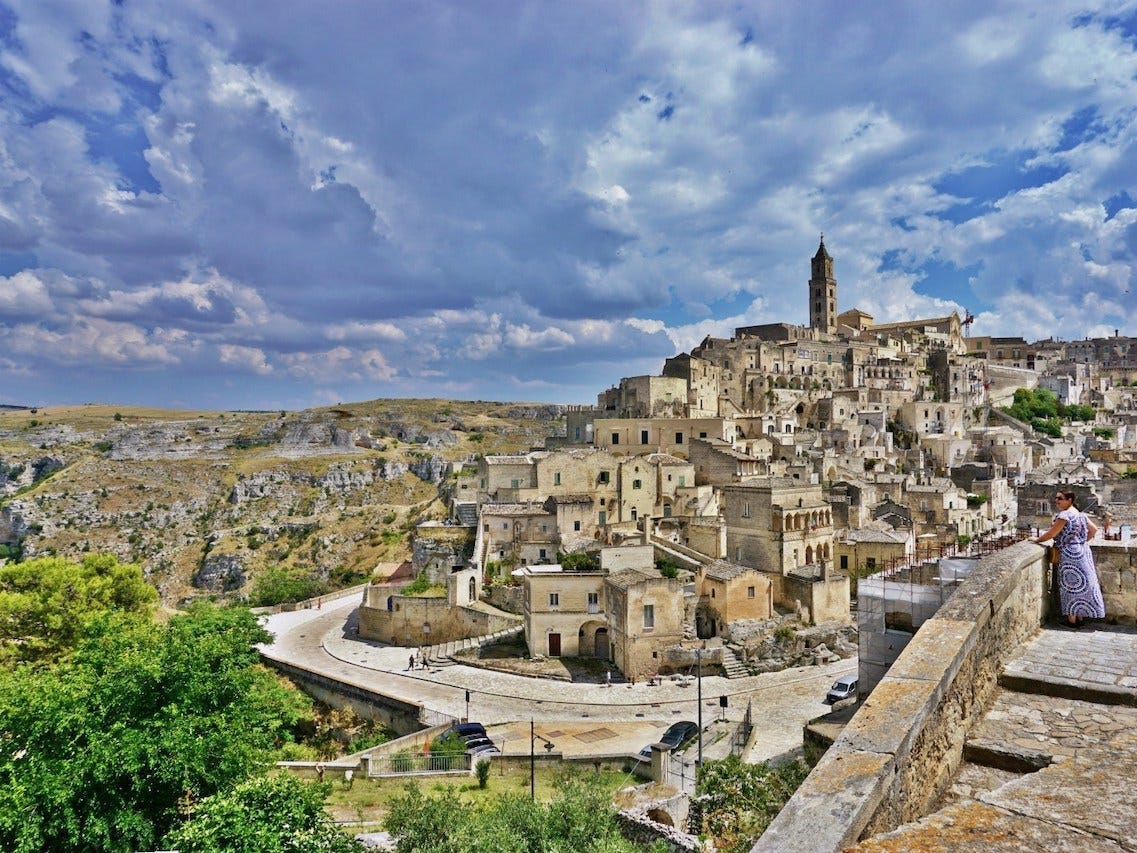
549	746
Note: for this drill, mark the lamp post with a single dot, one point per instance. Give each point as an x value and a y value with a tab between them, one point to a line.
533	738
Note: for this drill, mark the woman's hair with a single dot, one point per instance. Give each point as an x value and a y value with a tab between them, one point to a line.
1070	496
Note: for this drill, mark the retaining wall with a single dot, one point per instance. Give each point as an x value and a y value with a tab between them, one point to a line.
904	745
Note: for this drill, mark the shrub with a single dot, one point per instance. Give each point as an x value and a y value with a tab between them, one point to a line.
280	585
482	771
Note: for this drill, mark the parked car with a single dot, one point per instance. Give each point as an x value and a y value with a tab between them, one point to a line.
677	735
843	688
480	746
467	729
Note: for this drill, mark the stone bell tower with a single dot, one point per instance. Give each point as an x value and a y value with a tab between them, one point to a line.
822	292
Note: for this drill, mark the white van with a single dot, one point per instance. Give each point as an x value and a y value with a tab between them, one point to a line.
843	688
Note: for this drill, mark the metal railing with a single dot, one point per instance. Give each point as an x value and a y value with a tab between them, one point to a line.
410	763
741	735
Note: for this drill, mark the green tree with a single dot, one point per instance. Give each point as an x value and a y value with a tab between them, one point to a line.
279	584
46	604
97	751
277	814
579	561
735	802
581	819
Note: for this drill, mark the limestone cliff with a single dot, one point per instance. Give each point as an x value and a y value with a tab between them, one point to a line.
207	502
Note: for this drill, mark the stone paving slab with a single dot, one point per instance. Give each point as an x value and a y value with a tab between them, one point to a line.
975	827
1098	662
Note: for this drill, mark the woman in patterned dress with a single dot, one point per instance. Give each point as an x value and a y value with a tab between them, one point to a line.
1078	588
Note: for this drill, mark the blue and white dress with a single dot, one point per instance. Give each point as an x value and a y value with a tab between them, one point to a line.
1078	588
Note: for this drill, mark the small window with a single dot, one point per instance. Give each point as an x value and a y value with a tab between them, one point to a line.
604	476
844	561
746	509
515	484
615	438
554	599
870	562
682	479
557	478
576	525
643	436
749	592
702	435
544	555
636	484
649	616
635	514
712	592
678	438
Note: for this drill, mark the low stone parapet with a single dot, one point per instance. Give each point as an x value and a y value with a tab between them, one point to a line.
902	748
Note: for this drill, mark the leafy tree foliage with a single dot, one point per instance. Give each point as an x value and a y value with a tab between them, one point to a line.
735	802
46	604
277	814
97	751
581	819
280	584
579	561
1042	410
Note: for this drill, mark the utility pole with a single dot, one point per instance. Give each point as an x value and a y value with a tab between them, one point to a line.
699	661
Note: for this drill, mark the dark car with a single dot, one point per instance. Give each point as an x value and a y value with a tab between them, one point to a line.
468	729
677	735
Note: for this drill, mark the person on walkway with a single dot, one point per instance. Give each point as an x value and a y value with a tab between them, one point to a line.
1078	589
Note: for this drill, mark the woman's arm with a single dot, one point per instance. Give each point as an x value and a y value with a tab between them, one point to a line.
1054	530
1093	527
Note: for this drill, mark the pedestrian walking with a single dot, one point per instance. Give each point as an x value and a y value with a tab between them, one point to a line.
608	678
411	664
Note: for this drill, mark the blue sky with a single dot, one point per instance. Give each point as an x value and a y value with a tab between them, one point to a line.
255	205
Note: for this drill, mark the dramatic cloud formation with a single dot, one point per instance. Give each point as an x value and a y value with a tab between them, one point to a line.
280	205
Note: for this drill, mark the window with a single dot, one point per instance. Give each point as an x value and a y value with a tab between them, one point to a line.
515	484
554	599
870	562
603	518
643	436
702	435
682	479
635	514
712	592
615	438
746	509
576	525
636	484
749	592
844	561
649	616
543	554
678	438
557	478
593	602
604	476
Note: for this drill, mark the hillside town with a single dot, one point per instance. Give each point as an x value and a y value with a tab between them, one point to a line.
772	470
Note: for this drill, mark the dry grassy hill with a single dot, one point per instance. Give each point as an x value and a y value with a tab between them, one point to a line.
208	501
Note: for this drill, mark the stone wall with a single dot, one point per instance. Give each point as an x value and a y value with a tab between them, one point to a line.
903	746
406	624
1117	572
826	599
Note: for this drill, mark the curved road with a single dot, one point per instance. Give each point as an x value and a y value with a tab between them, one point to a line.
323	641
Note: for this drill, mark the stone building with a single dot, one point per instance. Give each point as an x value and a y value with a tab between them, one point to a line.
564	611
645	617
728	593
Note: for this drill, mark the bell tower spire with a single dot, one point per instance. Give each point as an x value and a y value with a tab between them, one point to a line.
822	292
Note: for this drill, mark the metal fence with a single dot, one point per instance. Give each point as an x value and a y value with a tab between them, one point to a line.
682	773
409	763
741	735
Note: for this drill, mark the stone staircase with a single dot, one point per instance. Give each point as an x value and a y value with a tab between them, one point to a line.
466	512
440	654
732	667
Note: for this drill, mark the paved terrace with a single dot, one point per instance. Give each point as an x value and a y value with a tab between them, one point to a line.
582	718
988	733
